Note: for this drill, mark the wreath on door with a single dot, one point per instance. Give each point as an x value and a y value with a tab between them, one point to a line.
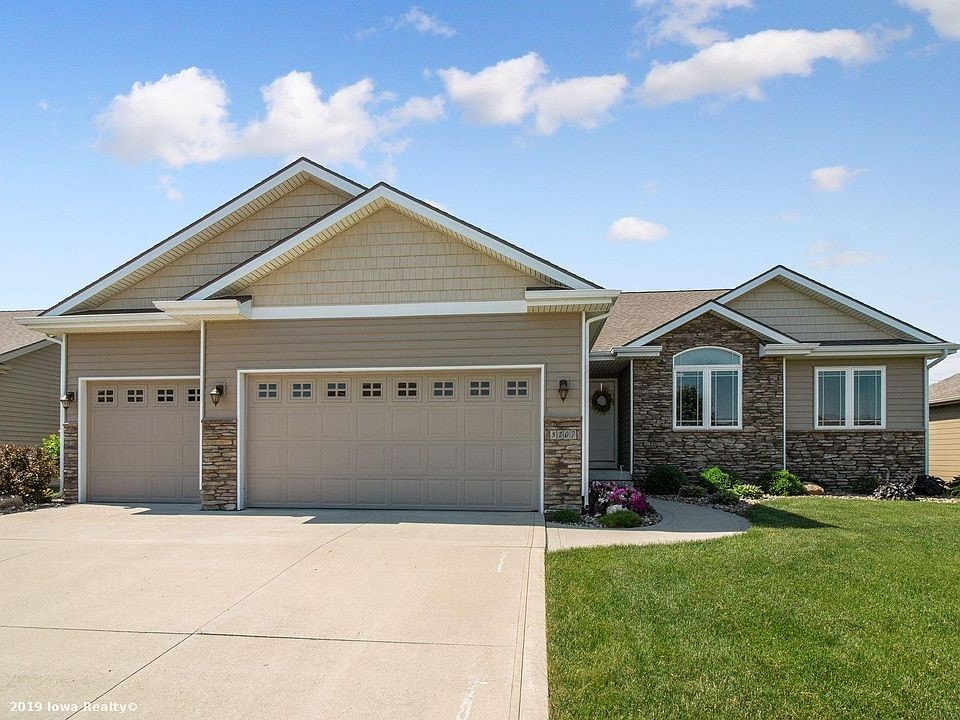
601	401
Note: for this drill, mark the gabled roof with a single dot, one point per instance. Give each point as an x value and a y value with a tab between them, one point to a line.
363	205
712	306
637	313
233	211
16	339
945	391
832	297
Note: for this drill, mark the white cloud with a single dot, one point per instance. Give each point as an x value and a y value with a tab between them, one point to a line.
508	92
788	216
651	187
43	105
825	259
179	119
165	183
944	15
425	24
634	229
183	119
736	68
834	178
686	20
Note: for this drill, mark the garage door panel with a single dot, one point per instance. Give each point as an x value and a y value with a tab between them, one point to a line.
443	449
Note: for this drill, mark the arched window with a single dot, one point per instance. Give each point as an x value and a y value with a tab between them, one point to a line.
707	389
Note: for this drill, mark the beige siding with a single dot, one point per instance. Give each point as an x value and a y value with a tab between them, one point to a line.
29	396
802	316
550	339
945	441
387	258
130	355
221	253
904	390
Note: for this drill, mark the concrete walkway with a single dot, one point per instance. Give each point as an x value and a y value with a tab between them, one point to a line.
280	614
681	522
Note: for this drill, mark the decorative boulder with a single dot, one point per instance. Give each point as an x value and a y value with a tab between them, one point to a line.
614	508
10	501
812	488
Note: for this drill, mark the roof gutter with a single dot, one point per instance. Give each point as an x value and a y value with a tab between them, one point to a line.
818	350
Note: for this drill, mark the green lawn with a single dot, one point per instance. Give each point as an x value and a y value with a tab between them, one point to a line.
825	609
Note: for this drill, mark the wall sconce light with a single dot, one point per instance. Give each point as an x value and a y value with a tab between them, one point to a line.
217	393
563	388
66	400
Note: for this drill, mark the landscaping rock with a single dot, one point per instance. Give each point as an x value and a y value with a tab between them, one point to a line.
813	488
10	501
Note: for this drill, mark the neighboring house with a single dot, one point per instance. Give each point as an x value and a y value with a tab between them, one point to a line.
945	428
29	382
317	343
781	371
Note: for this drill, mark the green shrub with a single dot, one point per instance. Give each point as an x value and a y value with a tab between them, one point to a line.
864	485
27	471
688	490
784	482
621	519
716	479
664	480
51	444
726	496
751	492
568	517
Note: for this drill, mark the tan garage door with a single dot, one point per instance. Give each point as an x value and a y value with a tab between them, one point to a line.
143	441
427	440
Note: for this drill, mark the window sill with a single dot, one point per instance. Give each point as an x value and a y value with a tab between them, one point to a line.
871	428
707	429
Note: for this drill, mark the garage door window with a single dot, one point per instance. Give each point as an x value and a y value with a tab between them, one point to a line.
480	389
408	389
105	396
135	396
166	396
518	388
193	395
444	389
301	390
268	391
371	390
337	390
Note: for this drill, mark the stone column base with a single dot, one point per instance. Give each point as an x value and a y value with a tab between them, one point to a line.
562	456
71	462
218	487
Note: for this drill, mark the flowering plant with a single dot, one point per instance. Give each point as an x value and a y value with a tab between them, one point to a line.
606	494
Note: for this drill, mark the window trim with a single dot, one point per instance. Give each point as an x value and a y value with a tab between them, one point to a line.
348	390
528	388
279	390
707	371
382	397
301	381
848	425
418	389
127	395
157	402
492	387
443	398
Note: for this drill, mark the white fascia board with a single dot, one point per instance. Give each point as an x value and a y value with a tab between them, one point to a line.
102	323
207	309
780	350
638	351
434	309
910	350
300	166
390	195
724	312
827	292
537	298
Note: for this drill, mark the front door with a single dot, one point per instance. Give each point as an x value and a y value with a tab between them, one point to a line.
603	425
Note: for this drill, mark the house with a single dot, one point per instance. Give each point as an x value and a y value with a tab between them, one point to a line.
781	371
29	382
945	428
316	343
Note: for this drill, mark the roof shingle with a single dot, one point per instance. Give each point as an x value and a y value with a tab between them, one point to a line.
946	390
14	336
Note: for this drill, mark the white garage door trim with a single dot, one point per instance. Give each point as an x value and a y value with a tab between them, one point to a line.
82	419
242	407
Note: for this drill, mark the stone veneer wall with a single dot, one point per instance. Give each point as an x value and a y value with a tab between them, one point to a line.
834	458
71	463
218	489
562	469
750	452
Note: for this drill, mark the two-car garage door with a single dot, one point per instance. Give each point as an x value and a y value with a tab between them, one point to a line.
449	440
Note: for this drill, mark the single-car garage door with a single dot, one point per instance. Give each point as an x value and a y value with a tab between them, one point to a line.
467	440
143	441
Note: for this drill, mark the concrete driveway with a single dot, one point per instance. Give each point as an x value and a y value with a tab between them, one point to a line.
286	614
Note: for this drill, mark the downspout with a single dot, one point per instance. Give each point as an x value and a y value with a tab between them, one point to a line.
203	398
926	408
63	391
783	380
585	407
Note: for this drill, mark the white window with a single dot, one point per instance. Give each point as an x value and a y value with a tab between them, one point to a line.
407	388
371	389
850	398
518	388
301	390
707	389
480	388
105	396
193	395
444	389
134	395
166	395
268	391
337	390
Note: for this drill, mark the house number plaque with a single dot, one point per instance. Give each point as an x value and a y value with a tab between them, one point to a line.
564	434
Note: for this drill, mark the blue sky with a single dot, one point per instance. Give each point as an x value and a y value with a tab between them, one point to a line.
646	145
